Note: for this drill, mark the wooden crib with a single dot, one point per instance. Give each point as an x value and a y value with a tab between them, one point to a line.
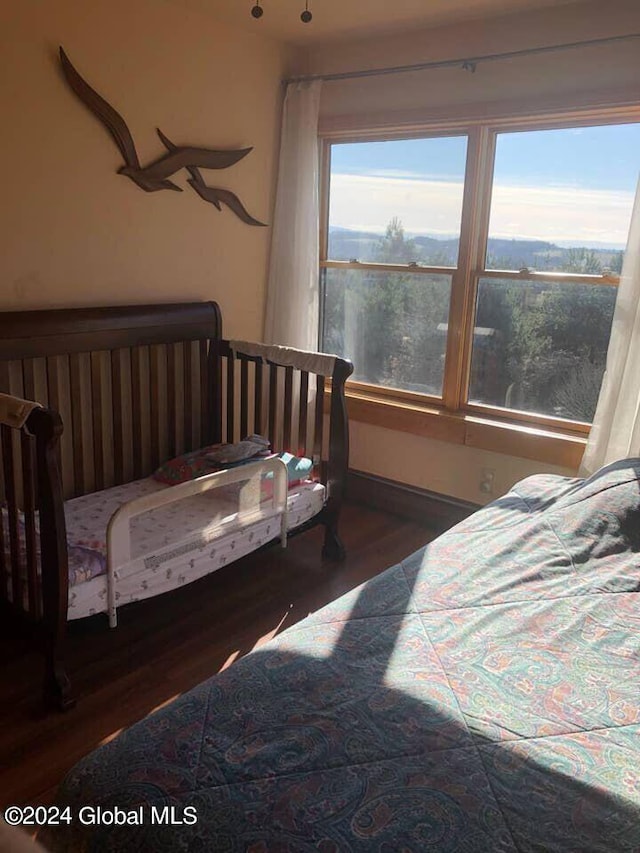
123	389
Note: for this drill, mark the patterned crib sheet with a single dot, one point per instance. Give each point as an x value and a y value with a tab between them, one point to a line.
87	556
194	519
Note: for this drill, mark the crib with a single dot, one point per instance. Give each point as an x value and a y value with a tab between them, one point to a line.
120	390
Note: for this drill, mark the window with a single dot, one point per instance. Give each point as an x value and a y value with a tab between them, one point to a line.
477	270
395	209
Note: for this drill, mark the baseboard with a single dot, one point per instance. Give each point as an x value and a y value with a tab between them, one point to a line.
429	508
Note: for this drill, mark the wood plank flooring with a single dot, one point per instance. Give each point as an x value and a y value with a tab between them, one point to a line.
165	646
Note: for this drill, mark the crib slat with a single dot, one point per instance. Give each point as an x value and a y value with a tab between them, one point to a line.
231	396
53	382
5	384
3	557
29	378
136	411
273	403
215	391
171	400
116	399
52	372
205	402
4	574
319	421
96	407
29	488
12	513
154	404
244	397
302	413
257	399
288	405
188	395
77	408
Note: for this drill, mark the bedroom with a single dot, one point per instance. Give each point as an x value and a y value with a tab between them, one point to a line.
70	240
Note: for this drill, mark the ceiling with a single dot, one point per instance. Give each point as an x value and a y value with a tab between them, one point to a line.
334	19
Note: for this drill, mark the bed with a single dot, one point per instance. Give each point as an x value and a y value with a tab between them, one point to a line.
483	695
94	403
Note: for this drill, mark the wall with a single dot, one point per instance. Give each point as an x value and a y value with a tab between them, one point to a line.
74	232
595	75
448	469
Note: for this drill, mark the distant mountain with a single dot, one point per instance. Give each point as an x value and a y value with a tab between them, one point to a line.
364	246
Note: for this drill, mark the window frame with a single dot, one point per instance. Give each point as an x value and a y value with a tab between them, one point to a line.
454	407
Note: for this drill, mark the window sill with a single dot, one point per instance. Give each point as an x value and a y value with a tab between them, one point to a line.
513	439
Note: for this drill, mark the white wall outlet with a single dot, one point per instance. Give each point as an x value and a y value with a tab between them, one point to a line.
487	477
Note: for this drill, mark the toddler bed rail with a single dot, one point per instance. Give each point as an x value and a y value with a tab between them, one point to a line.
119	551
120	390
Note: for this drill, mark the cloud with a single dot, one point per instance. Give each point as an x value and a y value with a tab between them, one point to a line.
439	177
576	215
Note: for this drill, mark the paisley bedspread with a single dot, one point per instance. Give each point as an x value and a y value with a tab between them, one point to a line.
483	695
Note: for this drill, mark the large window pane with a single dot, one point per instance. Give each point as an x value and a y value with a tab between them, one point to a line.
562	199
414	184
391	325
541	347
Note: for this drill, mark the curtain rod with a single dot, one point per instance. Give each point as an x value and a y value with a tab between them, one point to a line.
467	63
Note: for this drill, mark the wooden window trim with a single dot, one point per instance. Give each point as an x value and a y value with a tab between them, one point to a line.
494	433
481	410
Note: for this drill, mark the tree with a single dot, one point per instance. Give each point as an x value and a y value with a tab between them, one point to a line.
577	396
615	262
539	346
583	261
387	322
394	247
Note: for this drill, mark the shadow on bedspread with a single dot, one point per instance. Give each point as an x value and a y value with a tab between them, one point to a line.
480	696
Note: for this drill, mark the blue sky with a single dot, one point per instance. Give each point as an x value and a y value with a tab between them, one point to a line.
437	158
571	185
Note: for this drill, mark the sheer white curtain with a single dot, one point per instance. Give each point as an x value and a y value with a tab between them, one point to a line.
292	289
616	426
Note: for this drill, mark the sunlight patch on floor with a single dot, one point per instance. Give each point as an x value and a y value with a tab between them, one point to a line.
112	736
229	660
270	634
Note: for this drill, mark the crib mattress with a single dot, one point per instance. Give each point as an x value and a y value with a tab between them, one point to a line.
171	546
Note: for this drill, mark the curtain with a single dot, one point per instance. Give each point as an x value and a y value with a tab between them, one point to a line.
292	289
616	426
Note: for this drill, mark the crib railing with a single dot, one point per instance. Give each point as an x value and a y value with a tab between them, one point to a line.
131	383
286	402
33	555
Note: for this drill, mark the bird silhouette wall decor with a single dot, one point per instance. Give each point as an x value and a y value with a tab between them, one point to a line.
155	176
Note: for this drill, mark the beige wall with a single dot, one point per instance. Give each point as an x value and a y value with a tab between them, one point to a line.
595	75
75	233
449	469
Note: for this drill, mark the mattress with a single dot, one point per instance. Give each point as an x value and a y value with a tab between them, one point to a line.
480	696
172	545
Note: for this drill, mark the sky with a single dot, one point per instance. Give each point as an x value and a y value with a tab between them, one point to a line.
572	186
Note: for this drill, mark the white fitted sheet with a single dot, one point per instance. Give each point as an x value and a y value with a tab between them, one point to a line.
176	544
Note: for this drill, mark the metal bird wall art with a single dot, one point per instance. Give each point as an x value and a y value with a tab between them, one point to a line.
155	176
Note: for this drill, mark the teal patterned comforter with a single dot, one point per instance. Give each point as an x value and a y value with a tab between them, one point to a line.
483	695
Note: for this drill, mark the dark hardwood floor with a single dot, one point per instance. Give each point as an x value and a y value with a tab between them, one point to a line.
164	646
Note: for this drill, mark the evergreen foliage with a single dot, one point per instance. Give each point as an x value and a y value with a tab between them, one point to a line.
538	346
